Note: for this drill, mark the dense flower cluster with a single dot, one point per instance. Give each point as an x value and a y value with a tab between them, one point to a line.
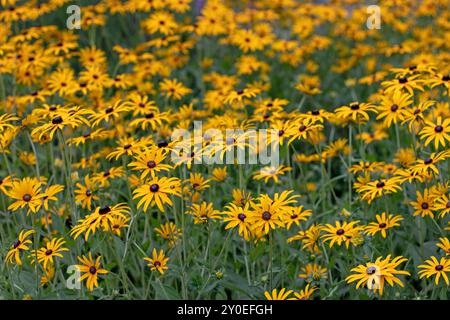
360	197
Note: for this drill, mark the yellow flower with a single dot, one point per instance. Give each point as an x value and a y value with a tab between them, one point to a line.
384	222
283	294
306	293
21	244
438	131
51	250
26	193
158	261
375	274
156	192
341	233
90	269
435	267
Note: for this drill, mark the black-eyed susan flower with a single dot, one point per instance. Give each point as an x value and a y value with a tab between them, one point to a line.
158	261
283	294
26	192
265	216
435	267
110	112
149	161
49	193
237	216
379	188
267	173
174	89
91	269
241	197
442	205
355	111
393	108
54	248
383	223
438	131
373	275
340	233
156	192
203	212
444	244
296	215
403	82
104	178
20	245
424	206
86	193
428	165
303	129
306	293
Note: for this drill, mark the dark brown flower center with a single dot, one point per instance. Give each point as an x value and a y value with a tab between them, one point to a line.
151	164
109	110
380	184
154	188
428	161
57	120
424	206
354	106
394	107
382	225
127	146
446	78
439	267
48	252
302	128
104	210
439	129
149	115
241	216
403	80
88	193
266	215
163	144
26	197
340	232
16	244
371	270
92	270
294	216
157	264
